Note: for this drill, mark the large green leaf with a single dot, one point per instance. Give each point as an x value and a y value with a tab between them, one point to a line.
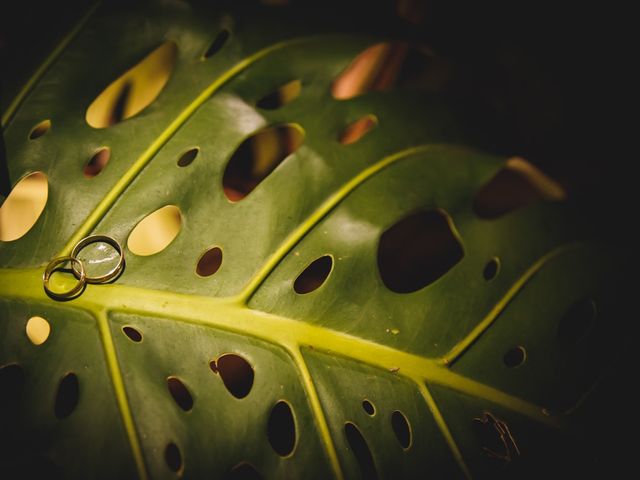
344	358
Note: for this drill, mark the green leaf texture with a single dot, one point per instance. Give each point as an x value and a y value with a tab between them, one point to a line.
351	352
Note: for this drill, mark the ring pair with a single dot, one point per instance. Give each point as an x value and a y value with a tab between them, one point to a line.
77	266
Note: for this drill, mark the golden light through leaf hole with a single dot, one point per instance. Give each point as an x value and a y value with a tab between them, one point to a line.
24	205
38	330
135	89
156	231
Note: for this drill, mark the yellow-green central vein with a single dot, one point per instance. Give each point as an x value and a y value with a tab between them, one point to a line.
228	314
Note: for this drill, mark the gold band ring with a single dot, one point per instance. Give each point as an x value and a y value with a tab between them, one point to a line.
51	267
95	239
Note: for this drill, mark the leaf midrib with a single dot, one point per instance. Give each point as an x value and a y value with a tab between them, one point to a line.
233	316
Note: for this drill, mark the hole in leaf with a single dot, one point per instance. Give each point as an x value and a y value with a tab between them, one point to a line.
217	44
180	394
236	373
418	250
257	157
132	333
24	205
156	231
97	163
401	428
491	269
496	439
577	320
38	330
358	129
281	429
187	157
281	96
361	451
375	69
368	407
173	457
135	89
67	396
244	471
40	129
314	275
516	185
11	385
515	357
209	262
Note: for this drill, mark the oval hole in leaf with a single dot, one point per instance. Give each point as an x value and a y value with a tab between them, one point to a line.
375	69
577	320
281	96
314	275
180	394
281	429
38	330
258	156
401	428
135	89
40	129
217	44
236	373
361	451
516	185
491	269
244	471
97	162
133	334
209	263
11	385
67	396
515	357
156	231
24	205
358	129
187	157
173	457
368	407
418	250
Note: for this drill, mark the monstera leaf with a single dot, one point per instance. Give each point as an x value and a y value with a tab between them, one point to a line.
338	287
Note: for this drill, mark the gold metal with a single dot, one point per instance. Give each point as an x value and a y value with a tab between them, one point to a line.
114	272
51	267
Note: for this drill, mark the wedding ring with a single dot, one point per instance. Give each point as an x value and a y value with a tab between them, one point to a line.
51	267
114	272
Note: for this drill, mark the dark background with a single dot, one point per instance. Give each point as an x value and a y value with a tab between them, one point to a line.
543	80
